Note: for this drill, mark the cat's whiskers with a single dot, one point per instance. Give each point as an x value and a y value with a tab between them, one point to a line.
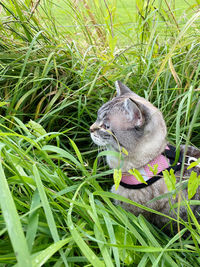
101	159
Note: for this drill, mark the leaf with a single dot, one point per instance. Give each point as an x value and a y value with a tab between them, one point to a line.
61	152
12	221
33	220
103	248
174	73
77	151
137	175
124	151
47	209
170	179
83	246
193	184
38	130
112	41
3	104
194	164
153	169
43	256
117	177
111	233
122	237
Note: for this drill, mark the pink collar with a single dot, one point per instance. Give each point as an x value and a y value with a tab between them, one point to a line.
162	163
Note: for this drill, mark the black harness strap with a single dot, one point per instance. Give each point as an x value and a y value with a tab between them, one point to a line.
171	155
139	186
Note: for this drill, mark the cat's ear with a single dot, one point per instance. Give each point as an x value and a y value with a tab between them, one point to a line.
133	112
121	88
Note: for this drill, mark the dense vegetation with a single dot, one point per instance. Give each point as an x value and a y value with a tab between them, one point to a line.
54	192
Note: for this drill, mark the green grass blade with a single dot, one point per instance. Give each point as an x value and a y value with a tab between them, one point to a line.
126	200
12	221
99	233
23	69
63	154
77	151
111	233
22	18
154	242
102	246
87	252
47	210
43	256
33	220
173	240
178	121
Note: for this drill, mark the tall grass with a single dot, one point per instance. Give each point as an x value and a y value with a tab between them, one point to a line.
56	206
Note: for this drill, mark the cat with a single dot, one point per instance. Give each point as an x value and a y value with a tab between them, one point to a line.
132	124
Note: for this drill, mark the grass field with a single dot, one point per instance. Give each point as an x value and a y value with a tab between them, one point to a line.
54	186
122	15
125	11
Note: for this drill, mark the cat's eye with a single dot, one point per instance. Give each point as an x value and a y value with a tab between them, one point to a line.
105	126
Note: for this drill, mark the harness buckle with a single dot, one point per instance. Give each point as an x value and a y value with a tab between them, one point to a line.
190	160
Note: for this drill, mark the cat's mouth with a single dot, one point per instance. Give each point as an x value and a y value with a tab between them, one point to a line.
99	134
98	140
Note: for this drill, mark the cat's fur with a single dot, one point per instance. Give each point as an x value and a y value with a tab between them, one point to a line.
132	122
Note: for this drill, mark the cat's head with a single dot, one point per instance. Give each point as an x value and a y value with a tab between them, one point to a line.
131	122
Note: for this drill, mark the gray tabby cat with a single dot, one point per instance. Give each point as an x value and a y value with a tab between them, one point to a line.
132	122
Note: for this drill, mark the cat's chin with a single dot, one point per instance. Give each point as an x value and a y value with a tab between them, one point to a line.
114	162
97	140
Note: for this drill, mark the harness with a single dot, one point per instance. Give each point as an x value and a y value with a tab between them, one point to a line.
165	161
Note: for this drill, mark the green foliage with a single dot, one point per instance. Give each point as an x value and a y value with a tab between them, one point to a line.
193	184
193	164
12	221
55	199
153	169
170	179
117	176
137	175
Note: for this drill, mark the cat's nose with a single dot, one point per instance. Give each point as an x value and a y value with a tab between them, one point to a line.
94	127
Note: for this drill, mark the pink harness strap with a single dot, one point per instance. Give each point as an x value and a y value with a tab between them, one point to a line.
162	163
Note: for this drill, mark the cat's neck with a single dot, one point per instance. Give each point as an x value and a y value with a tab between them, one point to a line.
142	155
